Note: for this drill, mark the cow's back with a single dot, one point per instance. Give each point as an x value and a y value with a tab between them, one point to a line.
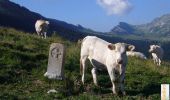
41	25
95	48
93	43
37	25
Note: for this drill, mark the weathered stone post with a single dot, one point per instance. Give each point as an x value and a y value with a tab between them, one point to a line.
55	69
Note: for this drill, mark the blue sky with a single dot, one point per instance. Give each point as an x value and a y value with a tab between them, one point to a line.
99	15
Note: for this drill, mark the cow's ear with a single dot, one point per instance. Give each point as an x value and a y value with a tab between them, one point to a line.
151	46
130	47
47	22
111	46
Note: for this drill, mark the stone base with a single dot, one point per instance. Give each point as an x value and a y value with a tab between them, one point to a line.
53	76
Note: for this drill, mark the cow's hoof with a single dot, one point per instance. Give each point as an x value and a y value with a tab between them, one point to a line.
115	93
124	93
96	85
82	83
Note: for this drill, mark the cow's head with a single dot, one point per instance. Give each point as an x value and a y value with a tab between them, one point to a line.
45	26
47	22
153	48
120	51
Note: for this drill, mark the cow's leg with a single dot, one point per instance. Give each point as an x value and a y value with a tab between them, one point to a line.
154	60
45	35
39	34
93	71
122	84
112	77
159	62
83	67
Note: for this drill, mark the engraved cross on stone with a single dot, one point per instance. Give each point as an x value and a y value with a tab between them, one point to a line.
55	53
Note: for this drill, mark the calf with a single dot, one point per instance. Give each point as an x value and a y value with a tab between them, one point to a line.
136	54
103	54
41	27
157	53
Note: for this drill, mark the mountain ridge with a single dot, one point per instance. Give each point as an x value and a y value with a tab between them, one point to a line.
158	26
21	18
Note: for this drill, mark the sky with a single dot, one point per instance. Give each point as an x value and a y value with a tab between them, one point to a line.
99	15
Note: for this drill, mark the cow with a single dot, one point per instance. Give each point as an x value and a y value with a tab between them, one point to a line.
136	54
41	27
104	55
157	54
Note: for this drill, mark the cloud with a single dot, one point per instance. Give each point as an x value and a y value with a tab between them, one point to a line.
117	7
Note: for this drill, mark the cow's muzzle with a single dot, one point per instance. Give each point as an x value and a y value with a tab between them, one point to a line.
120	61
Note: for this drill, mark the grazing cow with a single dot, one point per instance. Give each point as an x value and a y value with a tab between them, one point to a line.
103	54
41	27
136	54
157	53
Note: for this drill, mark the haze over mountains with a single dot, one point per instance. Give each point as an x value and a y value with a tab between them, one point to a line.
16	16
159	26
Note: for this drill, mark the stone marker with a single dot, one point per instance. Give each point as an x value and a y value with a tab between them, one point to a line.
55	69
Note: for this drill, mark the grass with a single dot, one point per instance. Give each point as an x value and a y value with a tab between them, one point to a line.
24	59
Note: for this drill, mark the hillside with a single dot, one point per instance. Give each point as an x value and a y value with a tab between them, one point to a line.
159	27
23	62
21	18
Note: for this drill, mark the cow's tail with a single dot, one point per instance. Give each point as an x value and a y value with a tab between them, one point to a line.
81	63
81	67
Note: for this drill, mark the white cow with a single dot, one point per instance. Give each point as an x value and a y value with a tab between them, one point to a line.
41	27
157	53
103	54
136	54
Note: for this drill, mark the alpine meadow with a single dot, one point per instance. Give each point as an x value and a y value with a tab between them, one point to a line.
23	62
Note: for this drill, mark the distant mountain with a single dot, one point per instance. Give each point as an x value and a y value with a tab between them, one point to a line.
16	16
159	26
13	15
123	28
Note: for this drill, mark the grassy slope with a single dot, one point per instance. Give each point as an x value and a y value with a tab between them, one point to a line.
23	62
